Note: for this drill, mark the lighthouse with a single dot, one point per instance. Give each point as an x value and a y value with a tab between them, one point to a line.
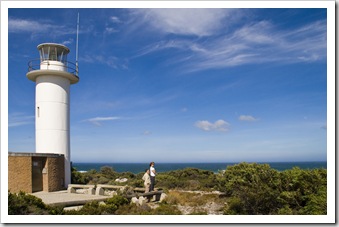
53	75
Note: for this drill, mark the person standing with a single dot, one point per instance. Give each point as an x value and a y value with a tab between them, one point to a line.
152	174
147	180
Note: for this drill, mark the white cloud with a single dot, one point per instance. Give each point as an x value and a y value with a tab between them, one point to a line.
19	119
97	120
261	43
199	22
219	125
184	109
67	42
16	25
254	43
147	133
110	61
20	25
115	19
110	30
247	118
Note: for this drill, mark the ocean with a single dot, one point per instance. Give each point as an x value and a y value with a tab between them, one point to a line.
165	167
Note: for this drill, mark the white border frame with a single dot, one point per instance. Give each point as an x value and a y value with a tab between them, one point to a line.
329	218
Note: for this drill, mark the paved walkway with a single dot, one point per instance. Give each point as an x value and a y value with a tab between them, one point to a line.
67	199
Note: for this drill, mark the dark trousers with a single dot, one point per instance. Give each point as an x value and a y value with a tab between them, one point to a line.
151	188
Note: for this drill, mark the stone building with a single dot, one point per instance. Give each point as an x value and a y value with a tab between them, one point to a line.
33	172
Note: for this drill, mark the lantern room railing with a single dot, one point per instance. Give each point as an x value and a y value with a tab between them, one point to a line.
67	66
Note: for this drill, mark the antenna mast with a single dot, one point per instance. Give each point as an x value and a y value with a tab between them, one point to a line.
76	51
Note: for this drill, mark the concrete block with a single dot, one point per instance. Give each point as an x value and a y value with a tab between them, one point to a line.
91	191
99	191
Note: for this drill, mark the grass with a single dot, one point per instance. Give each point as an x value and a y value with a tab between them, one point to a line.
194	203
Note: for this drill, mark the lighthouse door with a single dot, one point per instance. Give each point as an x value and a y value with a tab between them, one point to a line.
37	175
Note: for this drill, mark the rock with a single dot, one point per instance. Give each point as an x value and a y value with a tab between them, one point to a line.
162	197
135	200
73	208
122	180
110	193
142	200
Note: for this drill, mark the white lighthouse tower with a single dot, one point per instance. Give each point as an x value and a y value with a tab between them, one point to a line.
53	75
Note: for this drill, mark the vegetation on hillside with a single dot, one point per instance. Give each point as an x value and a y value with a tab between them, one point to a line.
258	189
246	189
22	203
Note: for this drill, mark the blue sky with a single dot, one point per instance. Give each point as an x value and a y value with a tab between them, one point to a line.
180	85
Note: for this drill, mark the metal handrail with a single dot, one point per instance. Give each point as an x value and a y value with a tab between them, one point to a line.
35	65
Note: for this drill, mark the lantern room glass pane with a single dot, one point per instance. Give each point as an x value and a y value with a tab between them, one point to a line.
53	53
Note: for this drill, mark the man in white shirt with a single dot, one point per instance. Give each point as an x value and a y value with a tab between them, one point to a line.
152	174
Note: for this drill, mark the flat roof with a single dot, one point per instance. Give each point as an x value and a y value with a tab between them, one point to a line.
27	154
53	45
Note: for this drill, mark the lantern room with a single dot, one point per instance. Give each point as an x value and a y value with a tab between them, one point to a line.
53	52
53	60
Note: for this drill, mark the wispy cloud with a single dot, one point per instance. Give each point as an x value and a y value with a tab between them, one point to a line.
147	133
198	22
110	30
115	19
21	25
247	118
98	120
184	109
254	43
19	119
16	25
110	61
219	125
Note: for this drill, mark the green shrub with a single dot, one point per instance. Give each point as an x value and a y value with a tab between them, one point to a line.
132	209
258	189
304	191
79	178
22	204
110	206
117	200
187	179
255	185
166	209
108	172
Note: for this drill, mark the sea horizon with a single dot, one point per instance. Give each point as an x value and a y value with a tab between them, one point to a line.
137	167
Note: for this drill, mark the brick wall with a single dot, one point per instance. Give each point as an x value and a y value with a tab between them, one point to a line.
19	174
56	174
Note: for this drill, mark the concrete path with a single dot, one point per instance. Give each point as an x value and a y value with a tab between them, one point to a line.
67	199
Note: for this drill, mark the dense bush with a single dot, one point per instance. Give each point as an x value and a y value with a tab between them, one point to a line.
188	179
79	178
258	189
162	209
304	191
22	203
250	188
110	206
